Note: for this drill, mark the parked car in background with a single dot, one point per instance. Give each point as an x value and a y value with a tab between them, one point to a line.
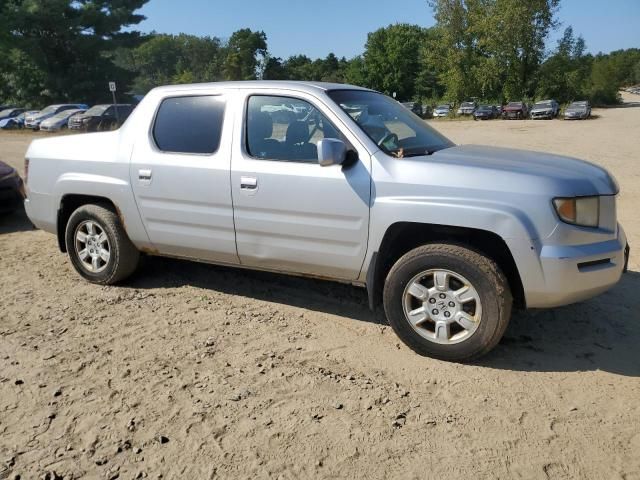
515	110
59	120
33	121
499	109
11	189
547	109
15	122
578	111
10	113
447	238
415	107
485	112
103	118
442	111
467	108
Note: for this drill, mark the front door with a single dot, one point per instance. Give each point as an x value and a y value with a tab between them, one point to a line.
180	176
290	213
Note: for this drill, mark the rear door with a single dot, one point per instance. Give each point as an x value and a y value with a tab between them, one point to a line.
291	214
180	176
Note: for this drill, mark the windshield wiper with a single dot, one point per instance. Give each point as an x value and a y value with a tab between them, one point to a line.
421	153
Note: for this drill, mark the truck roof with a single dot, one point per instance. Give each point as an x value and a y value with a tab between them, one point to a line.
281	84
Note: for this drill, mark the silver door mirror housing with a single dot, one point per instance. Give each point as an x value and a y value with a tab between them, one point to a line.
331	151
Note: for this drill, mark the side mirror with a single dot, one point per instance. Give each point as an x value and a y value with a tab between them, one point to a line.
331	151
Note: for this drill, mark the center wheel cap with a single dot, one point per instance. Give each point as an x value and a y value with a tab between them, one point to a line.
442	306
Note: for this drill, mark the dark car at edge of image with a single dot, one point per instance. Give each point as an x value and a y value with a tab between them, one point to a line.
515	110
485	112
101	118
11	189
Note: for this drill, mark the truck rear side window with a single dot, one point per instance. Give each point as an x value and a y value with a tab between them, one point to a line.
189	124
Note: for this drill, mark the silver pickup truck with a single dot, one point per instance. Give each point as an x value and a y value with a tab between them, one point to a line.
335	182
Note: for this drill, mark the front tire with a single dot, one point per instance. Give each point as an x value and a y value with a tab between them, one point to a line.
98	246
448	302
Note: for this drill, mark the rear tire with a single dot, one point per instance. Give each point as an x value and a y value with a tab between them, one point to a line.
457	319
98	246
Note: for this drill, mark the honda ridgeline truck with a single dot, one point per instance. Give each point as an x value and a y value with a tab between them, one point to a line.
336	182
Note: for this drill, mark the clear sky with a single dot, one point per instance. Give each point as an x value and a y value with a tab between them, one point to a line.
341	26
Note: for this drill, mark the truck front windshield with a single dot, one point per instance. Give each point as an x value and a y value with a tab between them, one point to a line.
395	129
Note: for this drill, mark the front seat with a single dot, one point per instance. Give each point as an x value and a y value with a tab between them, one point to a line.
259	132
297	144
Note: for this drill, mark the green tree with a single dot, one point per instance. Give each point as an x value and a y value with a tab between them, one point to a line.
491	48
63	49
355	73
165	59
517	38
246	52
392	59
565	75
454	47
274	69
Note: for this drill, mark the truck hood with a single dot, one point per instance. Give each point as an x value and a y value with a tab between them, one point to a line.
526	170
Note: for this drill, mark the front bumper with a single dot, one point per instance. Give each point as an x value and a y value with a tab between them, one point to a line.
573	273
513	115
541	115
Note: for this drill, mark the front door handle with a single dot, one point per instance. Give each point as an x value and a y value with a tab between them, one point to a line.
144	175
248	183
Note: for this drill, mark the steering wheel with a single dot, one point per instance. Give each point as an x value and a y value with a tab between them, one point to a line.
387	137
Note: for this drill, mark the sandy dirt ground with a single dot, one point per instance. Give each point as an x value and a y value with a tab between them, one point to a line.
193	371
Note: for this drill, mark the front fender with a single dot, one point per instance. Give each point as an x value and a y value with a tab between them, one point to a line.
506	221
511	224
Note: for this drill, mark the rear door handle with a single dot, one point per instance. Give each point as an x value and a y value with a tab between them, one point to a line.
248	183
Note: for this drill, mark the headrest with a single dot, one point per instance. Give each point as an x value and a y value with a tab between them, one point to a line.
297	132
260	125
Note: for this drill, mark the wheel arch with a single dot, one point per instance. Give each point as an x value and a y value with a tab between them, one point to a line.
70	203
401	237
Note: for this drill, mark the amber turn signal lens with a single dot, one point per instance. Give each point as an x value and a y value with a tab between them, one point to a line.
582	211
566	208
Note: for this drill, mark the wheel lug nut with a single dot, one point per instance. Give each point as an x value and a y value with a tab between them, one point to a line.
451	304
435	312
447	314
432	300
442	295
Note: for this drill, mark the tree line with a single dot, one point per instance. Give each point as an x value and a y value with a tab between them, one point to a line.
492	50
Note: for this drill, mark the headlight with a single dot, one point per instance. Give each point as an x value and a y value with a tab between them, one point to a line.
583	211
